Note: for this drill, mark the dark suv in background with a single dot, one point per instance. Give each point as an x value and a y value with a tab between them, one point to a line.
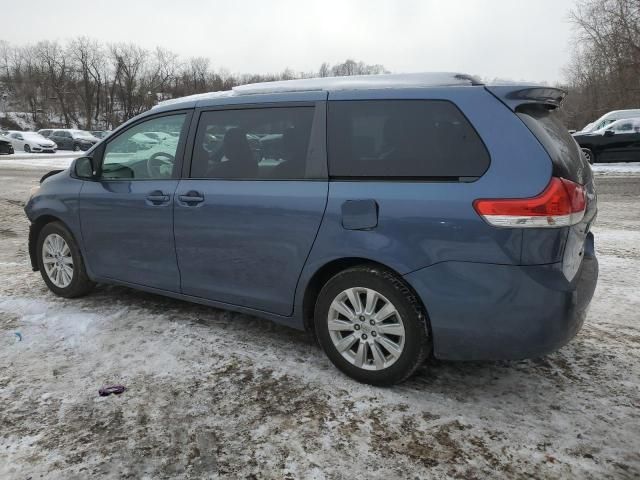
75	140
396	216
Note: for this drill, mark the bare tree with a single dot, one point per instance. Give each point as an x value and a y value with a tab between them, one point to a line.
604	73
87	58
83	83
129	62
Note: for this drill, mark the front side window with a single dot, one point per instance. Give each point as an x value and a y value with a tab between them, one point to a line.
624	127
261	143
403	139
133	155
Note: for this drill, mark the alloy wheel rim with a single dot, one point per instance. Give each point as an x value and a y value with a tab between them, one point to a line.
57	260
366	328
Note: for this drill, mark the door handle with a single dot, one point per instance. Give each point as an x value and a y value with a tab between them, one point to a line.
191	198
157	197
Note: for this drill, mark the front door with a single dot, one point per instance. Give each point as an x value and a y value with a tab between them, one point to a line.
247	217
127	215
623	144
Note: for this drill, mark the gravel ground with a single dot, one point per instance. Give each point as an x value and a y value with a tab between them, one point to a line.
212	394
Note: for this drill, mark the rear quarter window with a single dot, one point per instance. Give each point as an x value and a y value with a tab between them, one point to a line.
410	139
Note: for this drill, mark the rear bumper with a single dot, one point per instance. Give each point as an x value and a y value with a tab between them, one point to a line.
503	312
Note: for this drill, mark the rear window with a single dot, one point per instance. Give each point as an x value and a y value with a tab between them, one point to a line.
546	125
403	139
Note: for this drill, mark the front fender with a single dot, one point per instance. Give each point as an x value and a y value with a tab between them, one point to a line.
57	200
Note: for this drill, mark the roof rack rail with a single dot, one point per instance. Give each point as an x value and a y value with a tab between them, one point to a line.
356	82
360	82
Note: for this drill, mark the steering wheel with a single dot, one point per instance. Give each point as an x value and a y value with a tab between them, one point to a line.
160	165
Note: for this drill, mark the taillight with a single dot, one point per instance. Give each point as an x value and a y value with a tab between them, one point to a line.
561	204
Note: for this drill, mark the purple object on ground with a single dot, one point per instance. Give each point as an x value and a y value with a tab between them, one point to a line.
106	391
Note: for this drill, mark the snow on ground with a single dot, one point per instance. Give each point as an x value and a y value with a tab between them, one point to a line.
616	168
38	161
213	394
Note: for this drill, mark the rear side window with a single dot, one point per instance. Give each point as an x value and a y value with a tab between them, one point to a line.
546	125
403	139
253	144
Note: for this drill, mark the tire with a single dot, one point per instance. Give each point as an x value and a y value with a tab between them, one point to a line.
589	155
27	148
414	340
80	284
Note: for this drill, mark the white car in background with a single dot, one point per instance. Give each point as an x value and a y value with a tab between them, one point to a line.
31	142
608	118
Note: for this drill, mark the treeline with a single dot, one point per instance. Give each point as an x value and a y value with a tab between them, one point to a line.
604	73
87	84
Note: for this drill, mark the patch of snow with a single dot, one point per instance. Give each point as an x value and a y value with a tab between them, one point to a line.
22	119
39	161
616	168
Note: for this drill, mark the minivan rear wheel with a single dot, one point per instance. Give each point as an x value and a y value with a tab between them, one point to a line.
60	261
372	326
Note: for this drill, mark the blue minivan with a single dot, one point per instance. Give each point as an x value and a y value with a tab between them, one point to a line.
396	216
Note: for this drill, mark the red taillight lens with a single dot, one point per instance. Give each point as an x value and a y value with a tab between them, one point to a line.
562	203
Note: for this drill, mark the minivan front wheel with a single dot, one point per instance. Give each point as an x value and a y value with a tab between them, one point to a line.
372	326
60	262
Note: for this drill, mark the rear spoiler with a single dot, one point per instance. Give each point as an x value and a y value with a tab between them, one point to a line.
514	96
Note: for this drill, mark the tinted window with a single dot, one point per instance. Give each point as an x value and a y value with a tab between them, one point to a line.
134	155
265	143
546	125
403	138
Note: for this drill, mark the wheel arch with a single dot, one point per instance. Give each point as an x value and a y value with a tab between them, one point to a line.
34	232
325	272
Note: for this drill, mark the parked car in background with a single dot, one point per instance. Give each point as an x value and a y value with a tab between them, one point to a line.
31	142
100	133
388	214
45	132
76	140
616	142
6	147
608	118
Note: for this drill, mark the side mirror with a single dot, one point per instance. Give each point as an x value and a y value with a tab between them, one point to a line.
609	133
86	168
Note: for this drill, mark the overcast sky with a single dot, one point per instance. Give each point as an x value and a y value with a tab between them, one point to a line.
508	39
